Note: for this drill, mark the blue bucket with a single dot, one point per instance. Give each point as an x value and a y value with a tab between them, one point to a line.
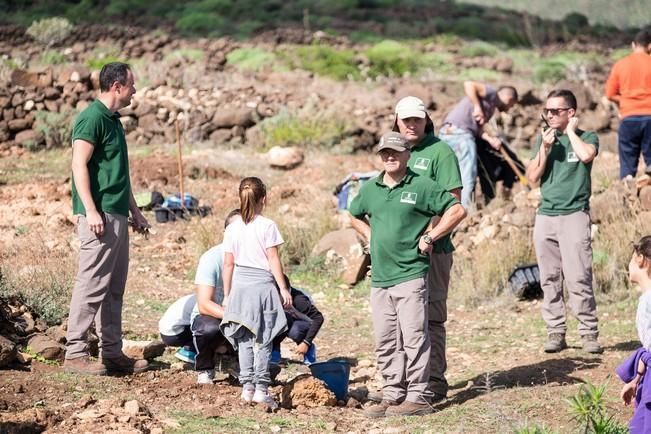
335	373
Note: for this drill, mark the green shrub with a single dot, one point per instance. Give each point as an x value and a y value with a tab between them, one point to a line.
478	74
589	410
391	58
50	31
56	127
316	129
246	28
195	23
550	71
51	57
478	49
324	60
253	59
39	277
193	54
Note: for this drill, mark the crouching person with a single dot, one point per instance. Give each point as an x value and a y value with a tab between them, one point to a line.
174	327
304	321
399	205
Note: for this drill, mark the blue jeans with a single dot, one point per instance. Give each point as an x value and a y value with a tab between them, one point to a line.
634	137
463	144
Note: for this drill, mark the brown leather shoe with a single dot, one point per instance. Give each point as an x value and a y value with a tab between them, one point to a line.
83	365
125	364
379	410
408	408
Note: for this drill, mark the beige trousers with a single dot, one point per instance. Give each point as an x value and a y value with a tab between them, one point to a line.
438	281
99	287
564	253
401	337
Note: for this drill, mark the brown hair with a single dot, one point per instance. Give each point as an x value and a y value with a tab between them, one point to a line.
252	191
229	217
643	247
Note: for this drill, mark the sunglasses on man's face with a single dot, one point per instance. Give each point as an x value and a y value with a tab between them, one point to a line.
555	111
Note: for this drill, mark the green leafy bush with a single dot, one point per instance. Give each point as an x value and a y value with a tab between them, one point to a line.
253	59
194	54
56	127
589	410
391	58
50	31
52	57
194	23
550	71
315	129
477	49
324	60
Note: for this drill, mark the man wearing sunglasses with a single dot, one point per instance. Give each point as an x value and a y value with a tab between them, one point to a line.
629	86
562	164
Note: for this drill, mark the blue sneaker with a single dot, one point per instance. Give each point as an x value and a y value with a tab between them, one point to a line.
185	355
310	356
275	357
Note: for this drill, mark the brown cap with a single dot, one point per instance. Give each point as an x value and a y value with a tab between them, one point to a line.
393	140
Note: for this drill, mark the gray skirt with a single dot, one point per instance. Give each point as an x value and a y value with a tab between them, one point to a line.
253	304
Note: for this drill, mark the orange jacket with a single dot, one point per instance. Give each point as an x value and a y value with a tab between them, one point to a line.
630	78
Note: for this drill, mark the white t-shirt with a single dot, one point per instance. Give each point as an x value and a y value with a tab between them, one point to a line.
249	242
177	316
643	319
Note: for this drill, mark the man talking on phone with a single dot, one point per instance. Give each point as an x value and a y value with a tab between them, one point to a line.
562	163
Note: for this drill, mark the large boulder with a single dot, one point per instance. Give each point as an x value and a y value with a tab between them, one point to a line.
46	347
8	351
232	118
280	157
20	77
344	248
29	138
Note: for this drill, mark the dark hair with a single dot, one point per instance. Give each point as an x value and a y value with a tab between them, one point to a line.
512	91
252	191
429	125
643	247
229	217
643	38
567	95
112	72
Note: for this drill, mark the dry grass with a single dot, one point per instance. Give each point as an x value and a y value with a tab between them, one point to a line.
38	276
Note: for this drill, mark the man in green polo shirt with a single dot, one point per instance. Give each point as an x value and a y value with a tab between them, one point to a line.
102	200
433	158
562	163
400	204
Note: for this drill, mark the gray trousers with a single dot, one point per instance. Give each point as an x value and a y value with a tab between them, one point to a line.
254	359
564	253
99	287
402	342
438	281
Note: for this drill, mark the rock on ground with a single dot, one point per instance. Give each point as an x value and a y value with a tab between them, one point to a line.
143	349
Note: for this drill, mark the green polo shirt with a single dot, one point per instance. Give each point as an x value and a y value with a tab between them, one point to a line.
108	167
434	158
398	217
565	185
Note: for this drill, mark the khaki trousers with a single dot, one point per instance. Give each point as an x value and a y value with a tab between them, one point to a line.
438	281
402	342
99	287
564	253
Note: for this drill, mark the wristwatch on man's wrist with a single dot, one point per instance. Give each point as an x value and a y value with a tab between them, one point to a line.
427	239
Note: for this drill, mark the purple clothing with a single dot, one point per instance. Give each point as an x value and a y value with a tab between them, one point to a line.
641	422
461	114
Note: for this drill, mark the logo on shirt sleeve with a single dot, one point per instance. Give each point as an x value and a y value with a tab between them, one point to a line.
408	197
571	157
421	163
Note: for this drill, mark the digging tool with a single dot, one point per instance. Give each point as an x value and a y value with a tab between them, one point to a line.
523	179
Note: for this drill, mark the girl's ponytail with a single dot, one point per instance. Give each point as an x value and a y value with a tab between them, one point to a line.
252	191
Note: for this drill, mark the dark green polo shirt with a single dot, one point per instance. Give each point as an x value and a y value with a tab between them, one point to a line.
398	217
565	185
435	159
108	167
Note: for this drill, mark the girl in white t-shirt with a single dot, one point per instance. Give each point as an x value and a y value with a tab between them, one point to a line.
253	314
639	272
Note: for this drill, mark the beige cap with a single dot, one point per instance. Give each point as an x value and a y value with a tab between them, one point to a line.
410	107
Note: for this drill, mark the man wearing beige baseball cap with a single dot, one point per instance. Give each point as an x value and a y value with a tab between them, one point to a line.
393	211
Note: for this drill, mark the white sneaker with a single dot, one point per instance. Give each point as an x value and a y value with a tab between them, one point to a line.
247	393
263	397
205	377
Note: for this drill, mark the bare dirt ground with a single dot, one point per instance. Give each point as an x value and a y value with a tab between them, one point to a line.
500	378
